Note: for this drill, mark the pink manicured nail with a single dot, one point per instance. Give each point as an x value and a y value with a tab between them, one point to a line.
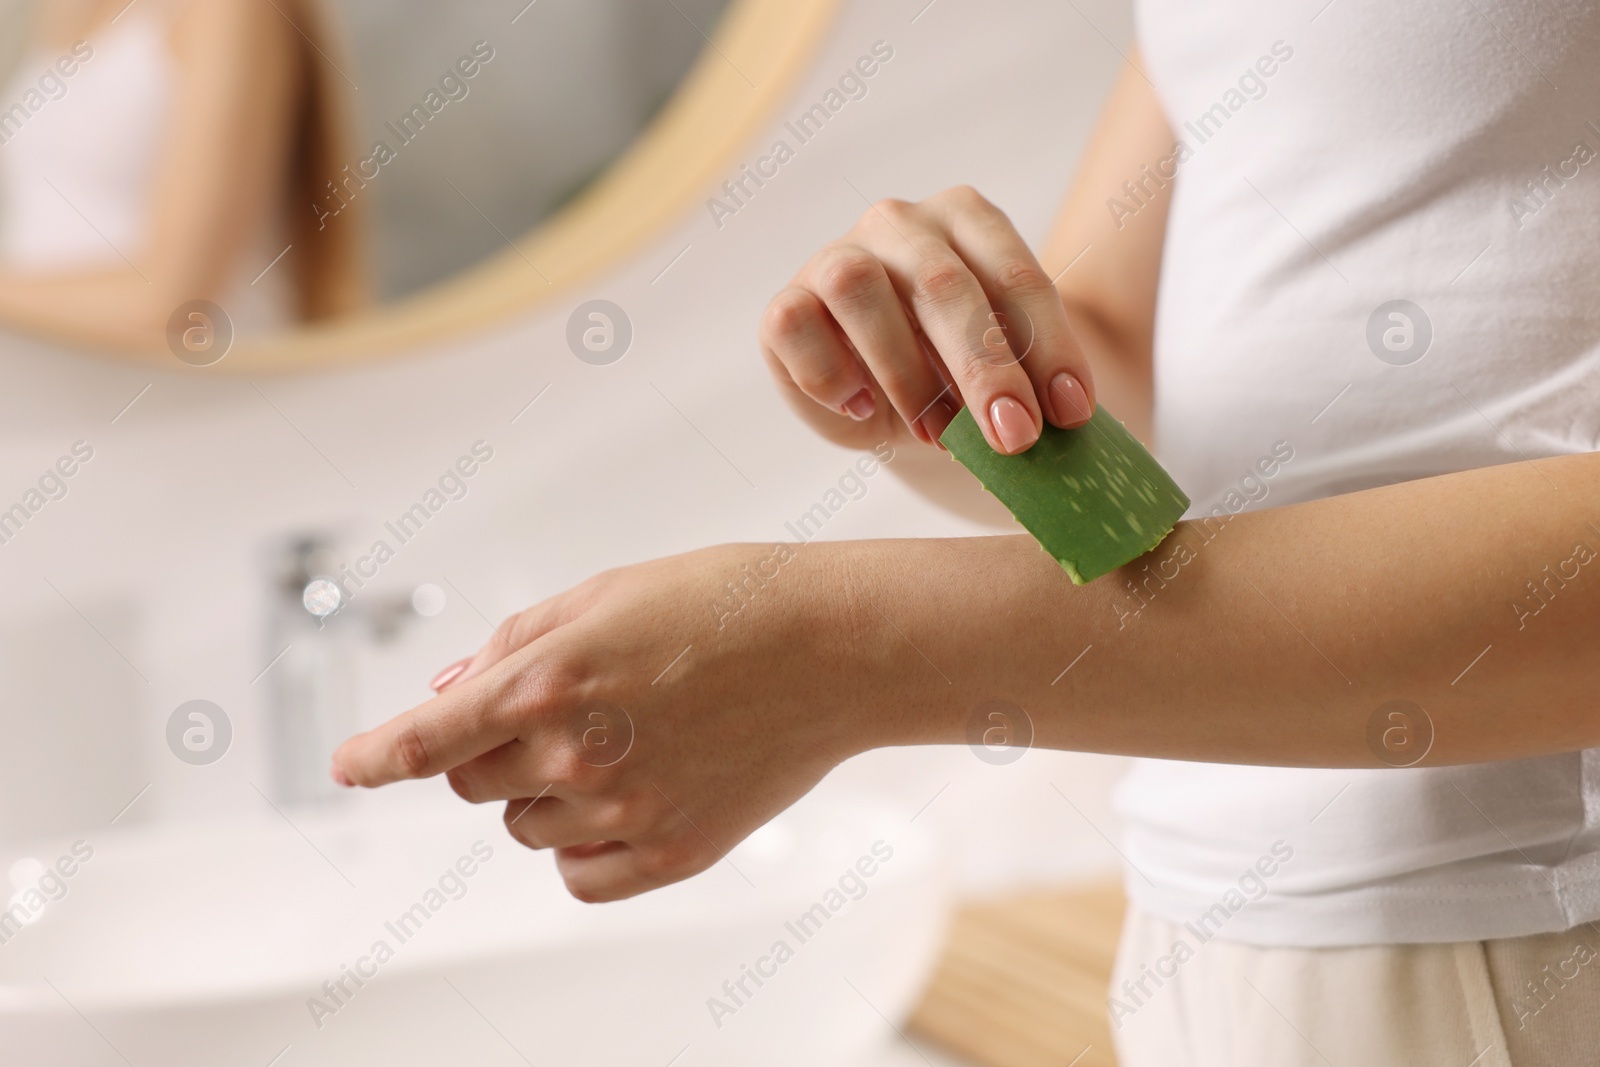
1070	400
336	772
861	406
1013	425
449	674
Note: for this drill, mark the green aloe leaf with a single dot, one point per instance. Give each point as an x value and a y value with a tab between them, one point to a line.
1091	496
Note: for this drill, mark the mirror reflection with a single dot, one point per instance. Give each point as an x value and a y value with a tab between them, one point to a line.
281	162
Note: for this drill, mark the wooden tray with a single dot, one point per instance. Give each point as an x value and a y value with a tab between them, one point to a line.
1023	980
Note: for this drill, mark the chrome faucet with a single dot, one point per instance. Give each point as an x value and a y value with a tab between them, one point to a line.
312	681
314	633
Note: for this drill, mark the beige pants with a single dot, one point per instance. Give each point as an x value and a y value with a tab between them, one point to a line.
1520	1002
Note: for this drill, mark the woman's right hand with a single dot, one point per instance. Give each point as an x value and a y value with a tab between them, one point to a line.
885	333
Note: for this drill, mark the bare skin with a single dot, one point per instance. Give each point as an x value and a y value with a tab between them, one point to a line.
220	170
1274	640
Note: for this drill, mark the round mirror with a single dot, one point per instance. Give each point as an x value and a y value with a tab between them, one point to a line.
272	185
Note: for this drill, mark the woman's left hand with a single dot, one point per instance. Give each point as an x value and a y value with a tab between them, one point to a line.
645	722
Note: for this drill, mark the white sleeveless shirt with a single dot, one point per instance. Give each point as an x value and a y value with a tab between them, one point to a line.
1342	158
78	168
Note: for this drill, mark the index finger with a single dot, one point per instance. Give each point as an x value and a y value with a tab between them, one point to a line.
458	725
1023	300
947	297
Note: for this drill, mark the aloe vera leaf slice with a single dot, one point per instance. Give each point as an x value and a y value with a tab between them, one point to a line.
1092	496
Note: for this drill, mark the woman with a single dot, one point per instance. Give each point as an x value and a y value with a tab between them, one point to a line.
168	151
1312	255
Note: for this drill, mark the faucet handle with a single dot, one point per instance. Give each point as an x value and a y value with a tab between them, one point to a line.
384	614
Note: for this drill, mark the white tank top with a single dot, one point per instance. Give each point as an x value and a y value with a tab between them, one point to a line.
78	170
1340	160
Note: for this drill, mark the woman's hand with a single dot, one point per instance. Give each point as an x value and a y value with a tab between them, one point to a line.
919	309
645	722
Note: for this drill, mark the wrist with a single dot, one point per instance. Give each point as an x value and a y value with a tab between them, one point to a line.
859	673
915	634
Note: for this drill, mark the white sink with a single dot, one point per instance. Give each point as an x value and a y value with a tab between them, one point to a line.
203	945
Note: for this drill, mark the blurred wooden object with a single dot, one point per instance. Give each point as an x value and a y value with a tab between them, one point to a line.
1023	980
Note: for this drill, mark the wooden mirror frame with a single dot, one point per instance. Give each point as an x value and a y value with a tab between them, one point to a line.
757	52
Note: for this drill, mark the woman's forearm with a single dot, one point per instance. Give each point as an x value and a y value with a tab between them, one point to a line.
1269	637
116	306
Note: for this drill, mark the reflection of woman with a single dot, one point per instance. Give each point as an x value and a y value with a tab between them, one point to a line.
167	151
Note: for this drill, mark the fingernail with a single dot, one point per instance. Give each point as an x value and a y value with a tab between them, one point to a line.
1012	424
861	406
937	418
449	674
1070	400
336	772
